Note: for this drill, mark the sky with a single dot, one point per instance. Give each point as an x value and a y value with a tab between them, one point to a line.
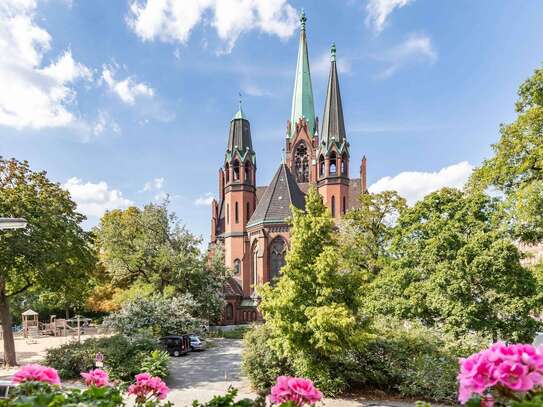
126	102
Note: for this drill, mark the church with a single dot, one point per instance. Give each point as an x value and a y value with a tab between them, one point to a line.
250	221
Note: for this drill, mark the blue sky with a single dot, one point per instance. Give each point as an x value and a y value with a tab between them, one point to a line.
125	101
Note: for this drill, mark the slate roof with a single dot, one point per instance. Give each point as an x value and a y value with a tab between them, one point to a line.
274	205
232	288
333	125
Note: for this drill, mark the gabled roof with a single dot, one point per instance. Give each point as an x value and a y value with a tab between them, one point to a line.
333	125
302	98
274	206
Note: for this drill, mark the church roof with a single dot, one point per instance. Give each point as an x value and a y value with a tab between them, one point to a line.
302	98
333	125
239	138
274	206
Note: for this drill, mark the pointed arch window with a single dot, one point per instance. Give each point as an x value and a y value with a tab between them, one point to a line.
321	166
236	213
229	311
248	211
333	163
227	171
344	204
237	267
278	251
248	172
227	214
236	170
254	275
344	164
333	206
301	163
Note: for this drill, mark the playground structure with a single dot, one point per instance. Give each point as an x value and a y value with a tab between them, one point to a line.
33	328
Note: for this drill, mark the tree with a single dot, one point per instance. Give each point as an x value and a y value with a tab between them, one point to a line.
149	250
453	267
366	231
50	252
516	169
312	310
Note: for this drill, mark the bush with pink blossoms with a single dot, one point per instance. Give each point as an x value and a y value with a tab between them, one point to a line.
148	388
96	377
502	375
294	391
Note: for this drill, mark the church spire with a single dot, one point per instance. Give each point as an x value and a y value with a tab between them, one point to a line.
333	126
302	98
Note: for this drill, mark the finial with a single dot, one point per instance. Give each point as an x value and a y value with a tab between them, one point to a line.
239	100
283	155
303	19
239	114
333	52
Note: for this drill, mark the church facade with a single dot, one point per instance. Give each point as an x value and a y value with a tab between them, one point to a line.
250	222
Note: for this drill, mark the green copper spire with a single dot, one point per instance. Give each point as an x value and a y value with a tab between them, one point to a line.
302	98
239	114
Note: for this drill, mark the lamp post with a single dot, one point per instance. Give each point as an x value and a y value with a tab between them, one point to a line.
12	223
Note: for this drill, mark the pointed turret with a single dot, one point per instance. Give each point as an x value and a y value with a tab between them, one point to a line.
333	125
302	98
239	138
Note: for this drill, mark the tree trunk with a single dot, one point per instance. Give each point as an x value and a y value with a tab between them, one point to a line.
10	358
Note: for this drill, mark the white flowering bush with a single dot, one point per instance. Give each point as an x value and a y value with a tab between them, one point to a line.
157	316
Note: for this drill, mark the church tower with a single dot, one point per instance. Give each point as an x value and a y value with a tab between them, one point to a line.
333	149
237	181
302	135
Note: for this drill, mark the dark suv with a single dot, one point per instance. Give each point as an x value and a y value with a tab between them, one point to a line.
176	345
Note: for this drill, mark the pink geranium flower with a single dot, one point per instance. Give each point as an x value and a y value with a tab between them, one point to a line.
297	390
96	377
36	373
147	386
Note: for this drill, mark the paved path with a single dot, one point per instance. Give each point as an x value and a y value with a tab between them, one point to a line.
202	375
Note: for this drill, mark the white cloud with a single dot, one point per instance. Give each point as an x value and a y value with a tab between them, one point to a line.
104	122
93	200
414	185
414	48
254	90
173	21
154	185
204	200
379	10
33	95
321	65
127	89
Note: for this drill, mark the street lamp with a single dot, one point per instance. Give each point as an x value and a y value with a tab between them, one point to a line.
12	223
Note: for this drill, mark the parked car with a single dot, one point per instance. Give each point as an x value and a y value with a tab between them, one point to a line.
196	343
176	345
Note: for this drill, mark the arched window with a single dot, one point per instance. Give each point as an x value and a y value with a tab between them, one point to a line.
248	210
278	250
344	210
237	267
321	166
247	172
344	164
333	206
227	171
333	166
236	213
229	311
227	214
301	163
254	275
236	170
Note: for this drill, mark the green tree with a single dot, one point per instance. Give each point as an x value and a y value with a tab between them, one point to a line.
50	253
453	267
366	232
311	311
516	169
149	247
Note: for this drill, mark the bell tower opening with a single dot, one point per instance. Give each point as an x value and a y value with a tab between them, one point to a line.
301	163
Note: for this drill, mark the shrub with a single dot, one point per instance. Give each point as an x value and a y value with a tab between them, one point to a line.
156	363
124	356
408	359
261	363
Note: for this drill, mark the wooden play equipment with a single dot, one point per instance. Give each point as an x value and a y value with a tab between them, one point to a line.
31	325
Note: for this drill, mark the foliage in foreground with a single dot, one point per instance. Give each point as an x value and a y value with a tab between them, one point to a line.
124	357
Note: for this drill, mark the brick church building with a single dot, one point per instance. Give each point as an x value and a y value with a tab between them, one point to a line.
250	221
